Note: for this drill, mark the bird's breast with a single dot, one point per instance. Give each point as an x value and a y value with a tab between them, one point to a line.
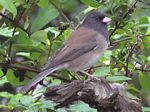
88	59
85	61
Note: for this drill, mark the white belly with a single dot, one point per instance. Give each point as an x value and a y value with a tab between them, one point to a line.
90	62
84	62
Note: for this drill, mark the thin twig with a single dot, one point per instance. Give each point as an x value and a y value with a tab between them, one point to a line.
143	70
13	22
144	35
88	75
127	59
62	14
115	43
126	14
121	40
19	18
98	66
9	50
16	20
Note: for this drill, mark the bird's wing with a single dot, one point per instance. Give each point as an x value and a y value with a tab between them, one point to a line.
80	42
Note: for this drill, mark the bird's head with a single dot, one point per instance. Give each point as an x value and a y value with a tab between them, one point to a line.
96	18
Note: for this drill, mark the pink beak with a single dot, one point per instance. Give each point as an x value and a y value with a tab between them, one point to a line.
106	20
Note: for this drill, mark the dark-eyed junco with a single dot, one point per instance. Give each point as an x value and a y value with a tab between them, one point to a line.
81	50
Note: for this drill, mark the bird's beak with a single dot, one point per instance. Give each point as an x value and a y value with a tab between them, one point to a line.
106	20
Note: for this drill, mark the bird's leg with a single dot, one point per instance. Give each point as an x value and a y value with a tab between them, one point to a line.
87	74
90	70
41	83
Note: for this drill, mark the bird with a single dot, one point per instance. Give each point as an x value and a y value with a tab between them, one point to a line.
81	51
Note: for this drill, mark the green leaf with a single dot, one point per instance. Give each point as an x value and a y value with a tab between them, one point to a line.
3	80
1	73
81	107
12	78
131	96
23	38
39	36
105	58
102	71
15	80
47	105
92	3
118	78
56	82
128	32
140	12
25	54
3	106
26	100
46	15
132	88
67	6
88	9
143	25
27	48
43	3
146	109
5	94
144	80
8	4
146	42
6	32
14	101
107	54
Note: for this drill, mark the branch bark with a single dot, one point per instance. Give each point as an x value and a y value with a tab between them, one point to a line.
96	92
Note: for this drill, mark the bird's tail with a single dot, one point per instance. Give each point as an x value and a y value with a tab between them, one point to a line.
38	78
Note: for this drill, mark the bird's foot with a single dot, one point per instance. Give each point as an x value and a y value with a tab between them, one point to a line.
87	74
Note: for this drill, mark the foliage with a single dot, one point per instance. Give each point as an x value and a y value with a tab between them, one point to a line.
32	30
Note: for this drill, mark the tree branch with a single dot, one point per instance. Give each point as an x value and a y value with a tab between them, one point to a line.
127	59
62	14
126	14
97	93
14	23
11	66
121	40
142	70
